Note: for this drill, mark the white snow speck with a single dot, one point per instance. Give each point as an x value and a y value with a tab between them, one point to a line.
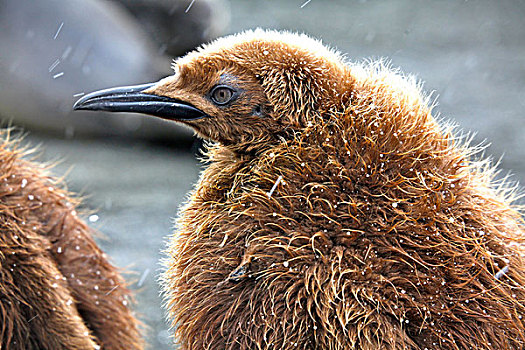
93	218
305	3
58	30
143	277
502	272
269	194
189	6
53	65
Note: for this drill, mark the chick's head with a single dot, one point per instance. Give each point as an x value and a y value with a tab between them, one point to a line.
245	90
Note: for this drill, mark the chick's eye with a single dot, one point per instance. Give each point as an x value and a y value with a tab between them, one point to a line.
221	95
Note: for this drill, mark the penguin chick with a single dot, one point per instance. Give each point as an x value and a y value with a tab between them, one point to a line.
335	213
57	288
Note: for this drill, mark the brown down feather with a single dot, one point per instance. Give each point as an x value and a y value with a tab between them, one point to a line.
57	288
383	229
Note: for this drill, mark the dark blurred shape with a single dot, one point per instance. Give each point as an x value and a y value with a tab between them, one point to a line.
178	26
53	51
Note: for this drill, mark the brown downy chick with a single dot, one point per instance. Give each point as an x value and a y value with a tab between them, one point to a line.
57	288
335	213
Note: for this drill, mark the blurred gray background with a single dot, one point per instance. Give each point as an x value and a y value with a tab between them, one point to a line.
136	173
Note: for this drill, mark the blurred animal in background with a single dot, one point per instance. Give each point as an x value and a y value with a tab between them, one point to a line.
57	288
178	26
52	51
335	212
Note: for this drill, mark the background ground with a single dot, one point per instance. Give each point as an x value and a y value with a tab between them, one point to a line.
472	53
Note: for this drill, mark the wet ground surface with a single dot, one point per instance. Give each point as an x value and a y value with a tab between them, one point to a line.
472	53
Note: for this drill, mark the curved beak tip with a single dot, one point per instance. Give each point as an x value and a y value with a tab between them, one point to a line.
79	104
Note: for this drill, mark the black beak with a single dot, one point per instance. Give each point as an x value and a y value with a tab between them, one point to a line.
132	99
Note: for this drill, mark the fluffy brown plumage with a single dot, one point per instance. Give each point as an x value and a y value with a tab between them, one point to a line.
335	212
57	288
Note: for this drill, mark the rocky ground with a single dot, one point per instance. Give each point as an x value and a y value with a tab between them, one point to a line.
471	53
